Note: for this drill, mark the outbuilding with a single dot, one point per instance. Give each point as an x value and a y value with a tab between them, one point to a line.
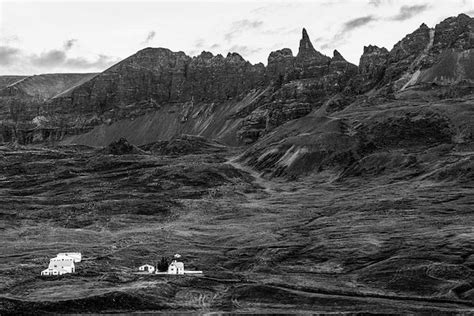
76	256
146	268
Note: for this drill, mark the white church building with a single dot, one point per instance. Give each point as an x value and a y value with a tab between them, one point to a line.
176	267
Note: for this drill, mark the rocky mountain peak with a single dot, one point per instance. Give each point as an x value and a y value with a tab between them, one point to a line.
205	55
279	54
306	48
454	32
305	34
337	56
235	57
374	49
423	26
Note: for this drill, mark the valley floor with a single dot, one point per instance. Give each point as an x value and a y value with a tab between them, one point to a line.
361	245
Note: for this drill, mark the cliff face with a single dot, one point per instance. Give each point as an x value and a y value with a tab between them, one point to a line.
419	57
299	85
371	69
397	106
216	95
24	116
160	76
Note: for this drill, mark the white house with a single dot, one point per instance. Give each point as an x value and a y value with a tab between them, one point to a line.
176	267
60	266
146	268
76	256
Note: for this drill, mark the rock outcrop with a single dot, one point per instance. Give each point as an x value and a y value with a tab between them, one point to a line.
406	55
121	147
372	65
454	32
300	85
185	145
280	64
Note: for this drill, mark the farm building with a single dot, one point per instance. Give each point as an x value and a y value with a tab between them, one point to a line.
59	266
147	268
76	256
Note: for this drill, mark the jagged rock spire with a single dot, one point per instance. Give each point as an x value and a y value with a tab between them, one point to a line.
306	48
337	56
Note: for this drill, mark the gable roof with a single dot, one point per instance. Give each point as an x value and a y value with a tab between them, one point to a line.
147	265
62	263
69	254
77	256
177	264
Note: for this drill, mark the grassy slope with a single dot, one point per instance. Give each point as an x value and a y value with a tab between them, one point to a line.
8	80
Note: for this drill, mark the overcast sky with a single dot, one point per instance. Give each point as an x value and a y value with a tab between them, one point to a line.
89	36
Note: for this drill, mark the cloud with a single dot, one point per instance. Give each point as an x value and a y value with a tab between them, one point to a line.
270	8
199	43
8	39
328	45
407	12
151	35
57	58
244	50
49	58
8	55
199	46
100	62
357	22
345	30
70	43
52	59
376	3
241	26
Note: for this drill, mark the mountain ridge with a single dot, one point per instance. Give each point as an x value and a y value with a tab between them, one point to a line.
158	80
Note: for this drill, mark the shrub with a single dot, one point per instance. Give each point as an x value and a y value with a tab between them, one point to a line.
163	264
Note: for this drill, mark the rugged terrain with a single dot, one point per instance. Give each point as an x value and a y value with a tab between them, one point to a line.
306	185
383	244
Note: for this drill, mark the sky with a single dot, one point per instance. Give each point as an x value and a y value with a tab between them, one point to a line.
89	36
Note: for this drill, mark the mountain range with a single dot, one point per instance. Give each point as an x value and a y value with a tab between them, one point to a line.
322	102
